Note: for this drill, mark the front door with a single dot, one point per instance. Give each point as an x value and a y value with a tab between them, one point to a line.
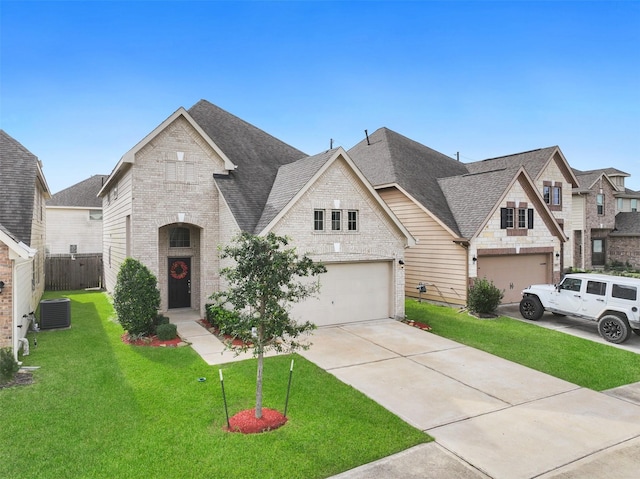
179	283
597	252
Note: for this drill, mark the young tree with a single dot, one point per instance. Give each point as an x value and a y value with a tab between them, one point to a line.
263	282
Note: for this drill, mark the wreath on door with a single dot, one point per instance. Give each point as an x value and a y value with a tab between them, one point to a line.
179	270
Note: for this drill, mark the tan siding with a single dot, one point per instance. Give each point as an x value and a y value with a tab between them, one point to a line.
435	260
114	223
72	226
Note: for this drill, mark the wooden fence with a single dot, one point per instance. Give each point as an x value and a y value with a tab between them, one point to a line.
69	272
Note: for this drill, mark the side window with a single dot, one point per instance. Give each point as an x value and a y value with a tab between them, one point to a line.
596	287
336	220
571	284
624	292
318	220
600	204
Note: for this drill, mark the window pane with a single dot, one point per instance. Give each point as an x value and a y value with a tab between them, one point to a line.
179	238
596	287
522	218
352	221
634	205
557	195
624	292
318	220
571	284
95	214
335	220
546	193
509	217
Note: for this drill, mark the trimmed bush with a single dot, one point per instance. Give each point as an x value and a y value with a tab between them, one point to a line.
136	298
8	365
167	331
223	319
484	297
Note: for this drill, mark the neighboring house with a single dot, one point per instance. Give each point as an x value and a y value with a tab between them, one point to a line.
204	175
605	219
74	219
23	192
497	219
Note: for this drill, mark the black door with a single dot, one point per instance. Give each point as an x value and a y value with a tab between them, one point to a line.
179	283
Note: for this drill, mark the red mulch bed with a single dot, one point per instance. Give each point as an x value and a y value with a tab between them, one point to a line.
247	423
152	341
225	338
417	324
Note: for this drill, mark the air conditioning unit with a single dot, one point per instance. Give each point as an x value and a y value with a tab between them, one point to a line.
55	313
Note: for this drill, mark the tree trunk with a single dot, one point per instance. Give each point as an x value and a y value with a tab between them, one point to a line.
259	377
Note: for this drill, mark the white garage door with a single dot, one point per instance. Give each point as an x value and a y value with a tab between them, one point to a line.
349	292
513	273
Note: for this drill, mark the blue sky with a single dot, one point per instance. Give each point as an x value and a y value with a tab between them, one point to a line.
83	81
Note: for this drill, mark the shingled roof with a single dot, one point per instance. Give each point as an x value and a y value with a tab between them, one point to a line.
83	194
291	178
534	161
18	176
388	158
257	155
471	197
627	224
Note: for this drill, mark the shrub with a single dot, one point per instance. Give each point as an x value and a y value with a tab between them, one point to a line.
222	318
484	297
160	319
8	365
136	298
167	331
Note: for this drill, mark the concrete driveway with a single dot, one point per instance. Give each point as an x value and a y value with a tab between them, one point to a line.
490	417
583	328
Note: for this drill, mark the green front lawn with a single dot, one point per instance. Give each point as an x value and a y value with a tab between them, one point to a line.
580	361
102	409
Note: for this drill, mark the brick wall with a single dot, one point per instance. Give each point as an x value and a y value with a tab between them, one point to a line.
625	249
377	236
173	176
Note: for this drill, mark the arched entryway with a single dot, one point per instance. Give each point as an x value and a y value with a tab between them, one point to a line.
179	259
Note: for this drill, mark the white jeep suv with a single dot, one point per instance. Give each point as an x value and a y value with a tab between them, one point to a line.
612	301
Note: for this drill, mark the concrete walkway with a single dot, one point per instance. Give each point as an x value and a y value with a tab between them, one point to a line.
491	418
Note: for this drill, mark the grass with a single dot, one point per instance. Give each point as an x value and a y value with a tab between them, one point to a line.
100	408
580	361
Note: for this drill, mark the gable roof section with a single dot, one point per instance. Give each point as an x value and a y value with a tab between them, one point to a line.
130	156
588	179
83	194
257	155
20	172
474	197
294	179
389	158
534	161
290	180
627	224
17	249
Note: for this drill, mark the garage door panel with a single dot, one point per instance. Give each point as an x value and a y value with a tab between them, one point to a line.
513	273
349	292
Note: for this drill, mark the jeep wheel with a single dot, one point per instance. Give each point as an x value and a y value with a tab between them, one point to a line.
614	328
531	308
